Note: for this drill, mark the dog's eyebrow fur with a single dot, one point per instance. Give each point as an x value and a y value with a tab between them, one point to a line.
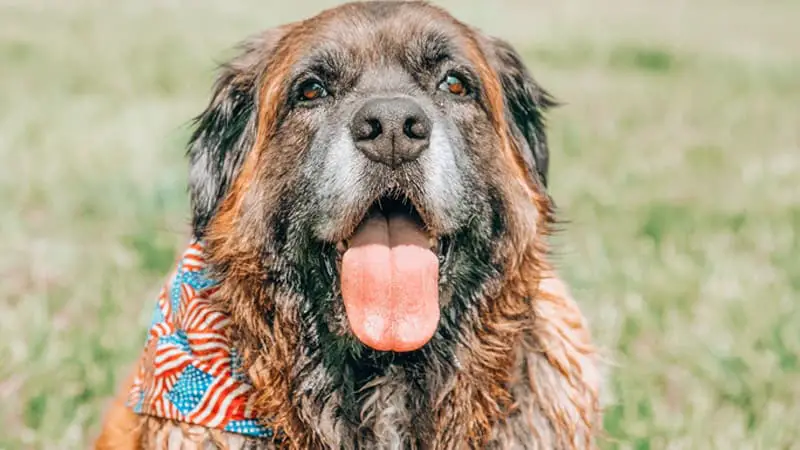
429	51
327	63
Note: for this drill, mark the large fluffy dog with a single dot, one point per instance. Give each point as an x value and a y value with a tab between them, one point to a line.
370	188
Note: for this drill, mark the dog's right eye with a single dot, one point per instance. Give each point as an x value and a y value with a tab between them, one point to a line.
312	90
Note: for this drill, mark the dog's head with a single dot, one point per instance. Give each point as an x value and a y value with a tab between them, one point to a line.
373	171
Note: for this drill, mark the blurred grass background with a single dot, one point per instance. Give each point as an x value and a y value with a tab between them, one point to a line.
676	160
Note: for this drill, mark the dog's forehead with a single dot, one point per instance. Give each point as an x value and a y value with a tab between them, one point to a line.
374	32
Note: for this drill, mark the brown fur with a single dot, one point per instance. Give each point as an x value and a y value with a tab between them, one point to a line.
530	369
121	427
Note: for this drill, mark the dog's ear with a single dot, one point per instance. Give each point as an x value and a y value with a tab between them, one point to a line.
225	131
525	103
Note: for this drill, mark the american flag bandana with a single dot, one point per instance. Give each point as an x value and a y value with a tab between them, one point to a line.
189	372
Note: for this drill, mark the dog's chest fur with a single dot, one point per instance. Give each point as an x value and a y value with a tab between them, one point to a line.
387	410
387	421
386	413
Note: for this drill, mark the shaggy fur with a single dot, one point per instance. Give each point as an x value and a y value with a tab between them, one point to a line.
511	365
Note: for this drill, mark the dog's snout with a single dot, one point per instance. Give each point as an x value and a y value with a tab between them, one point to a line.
391	131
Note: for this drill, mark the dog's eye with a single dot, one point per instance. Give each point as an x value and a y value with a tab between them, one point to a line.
312	90
454	85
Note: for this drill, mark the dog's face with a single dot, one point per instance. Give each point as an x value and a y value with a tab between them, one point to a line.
381	162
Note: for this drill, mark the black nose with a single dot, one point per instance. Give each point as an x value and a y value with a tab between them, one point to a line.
391	131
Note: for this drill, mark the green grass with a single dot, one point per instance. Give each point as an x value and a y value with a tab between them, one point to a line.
676	161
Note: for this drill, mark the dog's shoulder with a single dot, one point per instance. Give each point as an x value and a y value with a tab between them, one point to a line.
558	377
121	429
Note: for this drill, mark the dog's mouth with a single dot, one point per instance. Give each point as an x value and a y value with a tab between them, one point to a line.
390	278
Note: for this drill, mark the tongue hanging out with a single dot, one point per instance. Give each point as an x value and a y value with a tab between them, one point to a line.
390	283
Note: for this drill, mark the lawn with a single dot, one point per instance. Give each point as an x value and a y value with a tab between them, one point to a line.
676	162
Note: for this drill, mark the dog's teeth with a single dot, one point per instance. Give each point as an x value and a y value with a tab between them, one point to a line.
433	243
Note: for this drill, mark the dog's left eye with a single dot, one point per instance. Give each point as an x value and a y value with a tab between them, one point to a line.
312	90
454	85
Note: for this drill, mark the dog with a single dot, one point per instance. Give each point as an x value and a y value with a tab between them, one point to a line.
369	196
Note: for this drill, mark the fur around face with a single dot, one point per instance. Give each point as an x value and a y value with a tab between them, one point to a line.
511	364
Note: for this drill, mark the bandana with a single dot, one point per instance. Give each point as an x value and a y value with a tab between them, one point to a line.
190	373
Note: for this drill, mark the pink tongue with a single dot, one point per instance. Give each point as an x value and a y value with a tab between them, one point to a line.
390	284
